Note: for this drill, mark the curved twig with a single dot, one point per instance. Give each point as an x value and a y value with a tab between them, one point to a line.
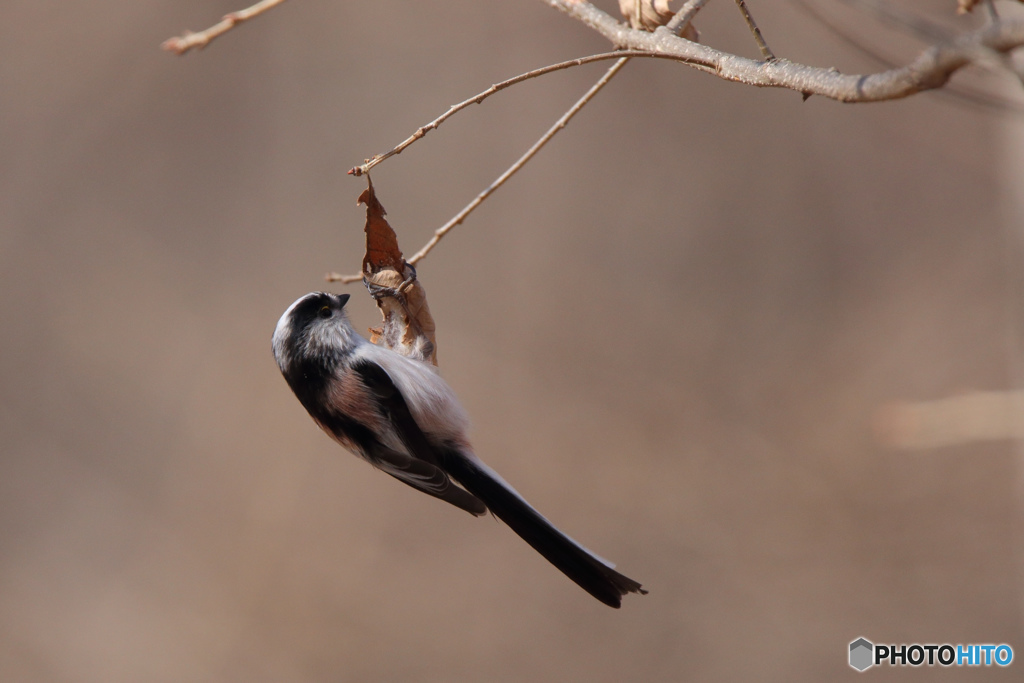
500	180
559	125
480	97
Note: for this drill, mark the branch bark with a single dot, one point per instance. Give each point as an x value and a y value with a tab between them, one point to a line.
932	68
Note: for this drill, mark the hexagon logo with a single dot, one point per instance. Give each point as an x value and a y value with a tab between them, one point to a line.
861	654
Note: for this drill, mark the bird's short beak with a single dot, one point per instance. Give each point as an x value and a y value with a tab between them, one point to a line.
343	299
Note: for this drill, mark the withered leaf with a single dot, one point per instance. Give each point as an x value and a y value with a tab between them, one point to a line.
408	326
381	241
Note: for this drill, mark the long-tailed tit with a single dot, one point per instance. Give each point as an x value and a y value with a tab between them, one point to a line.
401	417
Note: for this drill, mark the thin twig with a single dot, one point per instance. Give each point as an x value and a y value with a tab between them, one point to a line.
500	180
476	99
685	15
188	40
343	279
559	125
766	51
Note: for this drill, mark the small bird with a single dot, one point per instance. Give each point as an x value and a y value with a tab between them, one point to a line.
398	414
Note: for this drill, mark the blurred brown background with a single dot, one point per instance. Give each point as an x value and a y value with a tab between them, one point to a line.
671	332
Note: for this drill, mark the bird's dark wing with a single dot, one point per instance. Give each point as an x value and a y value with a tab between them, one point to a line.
418	468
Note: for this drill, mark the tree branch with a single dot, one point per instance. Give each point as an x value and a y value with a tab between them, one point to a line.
500	180
932	68
480	97
188	40
559	125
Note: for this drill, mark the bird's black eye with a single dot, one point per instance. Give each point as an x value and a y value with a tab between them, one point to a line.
325	312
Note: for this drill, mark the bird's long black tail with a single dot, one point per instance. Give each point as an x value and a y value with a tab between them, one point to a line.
590	572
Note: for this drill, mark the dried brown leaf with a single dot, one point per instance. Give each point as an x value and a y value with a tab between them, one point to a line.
381	241
408	326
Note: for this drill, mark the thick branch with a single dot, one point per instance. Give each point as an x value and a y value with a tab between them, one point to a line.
931	69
